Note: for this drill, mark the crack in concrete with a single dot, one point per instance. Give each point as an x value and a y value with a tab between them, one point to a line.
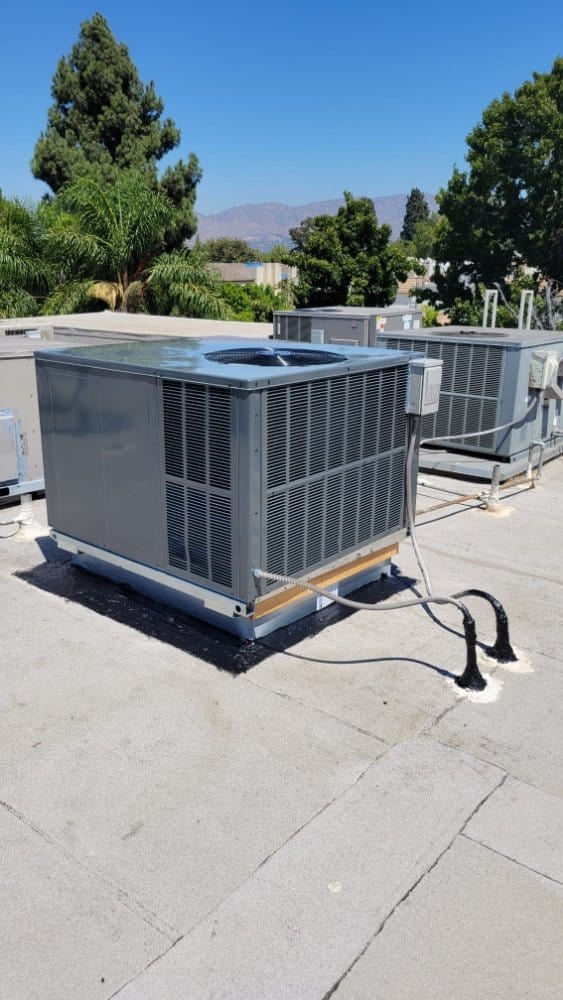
458	555
315	708
147	966
509	857
409	891
440	716
121	895
482	803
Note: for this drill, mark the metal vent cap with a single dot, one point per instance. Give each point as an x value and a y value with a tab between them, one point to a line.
282	357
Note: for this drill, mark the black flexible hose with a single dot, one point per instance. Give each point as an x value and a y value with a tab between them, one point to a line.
502	649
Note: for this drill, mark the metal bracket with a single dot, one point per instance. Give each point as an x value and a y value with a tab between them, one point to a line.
491	303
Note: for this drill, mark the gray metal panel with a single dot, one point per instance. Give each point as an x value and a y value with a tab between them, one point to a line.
18	392
101	446
344	330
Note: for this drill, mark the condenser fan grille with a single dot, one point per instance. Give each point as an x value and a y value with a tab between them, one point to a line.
197	451
274	358
334	466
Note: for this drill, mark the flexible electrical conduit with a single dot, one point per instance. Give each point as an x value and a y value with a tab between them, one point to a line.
489	430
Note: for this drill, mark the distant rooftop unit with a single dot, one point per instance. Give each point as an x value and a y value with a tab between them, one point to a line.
345	325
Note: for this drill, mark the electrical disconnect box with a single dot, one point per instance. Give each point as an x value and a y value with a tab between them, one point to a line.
543	369
9	452
425	381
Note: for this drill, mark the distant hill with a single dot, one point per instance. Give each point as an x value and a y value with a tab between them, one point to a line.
264	224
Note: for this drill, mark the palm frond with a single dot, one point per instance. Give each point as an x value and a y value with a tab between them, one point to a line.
73	252
181	282
68	297
17	302
134	297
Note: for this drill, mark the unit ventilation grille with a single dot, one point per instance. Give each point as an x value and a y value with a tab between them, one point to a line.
296	328
197	450
470	397
335	460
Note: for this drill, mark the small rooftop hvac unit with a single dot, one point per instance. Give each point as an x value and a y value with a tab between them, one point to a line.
349	325
487	381
182	466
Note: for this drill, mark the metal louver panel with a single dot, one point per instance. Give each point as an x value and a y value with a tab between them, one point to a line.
335	466
291	327
471	394
198	487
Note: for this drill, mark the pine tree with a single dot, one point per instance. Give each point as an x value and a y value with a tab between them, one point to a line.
104	119
416	210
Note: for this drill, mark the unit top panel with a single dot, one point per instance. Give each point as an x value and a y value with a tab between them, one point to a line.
360	312
265	362
507	338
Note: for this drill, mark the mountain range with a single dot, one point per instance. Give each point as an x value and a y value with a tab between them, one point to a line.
267	223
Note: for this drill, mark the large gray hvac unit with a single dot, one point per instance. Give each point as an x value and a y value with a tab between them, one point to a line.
345	325
190	463
488	381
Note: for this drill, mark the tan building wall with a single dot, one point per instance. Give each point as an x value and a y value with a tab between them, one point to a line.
270	273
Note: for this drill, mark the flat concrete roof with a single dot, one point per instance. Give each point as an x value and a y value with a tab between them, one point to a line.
319	814
141	324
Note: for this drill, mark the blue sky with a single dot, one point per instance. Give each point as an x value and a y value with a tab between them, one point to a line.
296	101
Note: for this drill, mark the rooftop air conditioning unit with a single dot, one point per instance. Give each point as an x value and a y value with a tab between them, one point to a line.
348	325
181	466
488	381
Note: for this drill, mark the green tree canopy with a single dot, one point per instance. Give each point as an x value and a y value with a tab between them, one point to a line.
416	210
25	274
427	234
252	303
107	242
227	249
104	118
280	253
507	209
346	258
